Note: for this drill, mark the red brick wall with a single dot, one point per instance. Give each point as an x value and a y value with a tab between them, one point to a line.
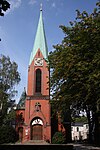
30	111
31	77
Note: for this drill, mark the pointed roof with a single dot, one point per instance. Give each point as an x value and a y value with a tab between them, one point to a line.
40	40
21	103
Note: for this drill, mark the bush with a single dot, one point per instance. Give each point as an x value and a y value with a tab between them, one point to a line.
58	138
8	134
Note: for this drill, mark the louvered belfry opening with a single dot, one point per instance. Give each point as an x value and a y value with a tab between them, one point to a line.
38	81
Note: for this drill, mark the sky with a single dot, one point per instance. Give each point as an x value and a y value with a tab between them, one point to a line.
19	24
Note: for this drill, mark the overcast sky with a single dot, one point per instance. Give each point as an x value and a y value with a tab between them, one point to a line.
18	28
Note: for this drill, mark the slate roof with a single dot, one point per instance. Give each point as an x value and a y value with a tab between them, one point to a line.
21	104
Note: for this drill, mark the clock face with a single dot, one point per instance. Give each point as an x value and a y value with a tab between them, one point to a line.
38	62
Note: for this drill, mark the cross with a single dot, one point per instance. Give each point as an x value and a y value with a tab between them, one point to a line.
41	7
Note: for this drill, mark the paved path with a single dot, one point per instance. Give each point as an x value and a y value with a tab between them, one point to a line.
85	147
47	146
75	146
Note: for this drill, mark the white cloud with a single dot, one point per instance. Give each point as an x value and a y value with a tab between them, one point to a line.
32	2
53	5
13	5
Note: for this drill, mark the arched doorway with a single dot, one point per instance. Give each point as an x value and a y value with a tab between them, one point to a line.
37	132
37	129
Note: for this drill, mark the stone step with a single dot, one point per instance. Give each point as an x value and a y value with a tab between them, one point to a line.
35	142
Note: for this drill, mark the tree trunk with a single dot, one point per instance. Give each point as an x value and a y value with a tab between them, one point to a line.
67	127
90	137
96	129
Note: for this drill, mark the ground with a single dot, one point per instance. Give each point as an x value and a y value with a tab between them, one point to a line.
44	145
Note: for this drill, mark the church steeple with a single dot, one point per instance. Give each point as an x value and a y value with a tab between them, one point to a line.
34	107
40	40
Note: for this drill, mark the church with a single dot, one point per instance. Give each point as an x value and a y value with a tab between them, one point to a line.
33	113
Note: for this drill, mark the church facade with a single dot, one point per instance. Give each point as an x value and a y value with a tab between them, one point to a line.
33	113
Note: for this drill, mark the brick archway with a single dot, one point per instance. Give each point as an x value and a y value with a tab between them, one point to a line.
37	129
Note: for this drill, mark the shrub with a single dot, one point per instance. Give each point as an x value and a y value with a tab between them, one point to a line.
58	138
8	134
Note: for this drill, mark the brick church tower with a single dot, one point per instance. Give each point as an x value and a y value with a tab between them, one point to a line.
34	108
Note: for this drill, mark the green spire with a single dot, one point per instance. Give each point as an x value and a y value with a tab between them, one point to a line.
40	40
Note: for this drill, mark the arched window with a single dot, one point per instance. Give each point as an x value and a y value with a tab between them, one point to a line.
38	81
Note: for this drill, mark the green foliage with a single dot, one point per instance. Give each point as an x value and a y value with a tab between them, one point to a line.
80	119
58	138
9	78
10	118
75	68
4	6
8	134
75	64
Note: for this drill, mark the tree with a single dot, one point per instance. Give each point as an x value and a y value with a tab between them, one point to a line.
75	68
8	134
4	6
58	138
10	118
80	119
9	78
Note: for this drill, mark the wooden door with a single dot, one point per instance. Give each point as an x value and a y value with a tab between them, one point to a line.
37	132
